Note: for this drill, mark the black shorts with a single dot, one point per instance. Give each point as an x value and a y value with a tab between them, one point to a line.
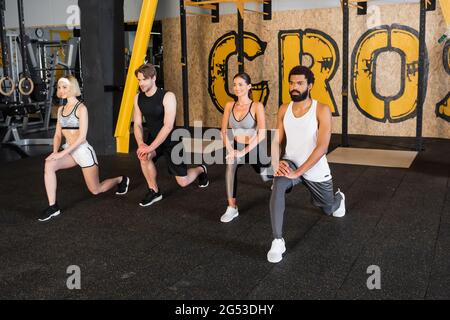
165	150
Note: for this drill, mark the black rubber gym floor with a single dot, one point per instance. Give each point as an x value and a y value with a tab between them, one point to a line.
397	219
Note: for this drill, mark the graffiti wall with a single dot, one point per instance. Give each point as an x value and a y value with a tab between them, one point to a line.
383	79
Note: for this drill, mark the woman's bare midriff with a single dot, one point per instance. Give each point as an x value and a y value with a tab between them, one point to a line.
70	135
243	139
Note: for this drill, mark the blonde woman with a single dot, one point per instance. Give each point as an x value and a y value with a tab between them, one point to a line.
72	124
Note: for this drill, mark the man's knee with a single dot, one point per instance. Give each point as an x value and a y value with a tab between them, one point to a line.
148	157
328	210
144	161
182	181
281	184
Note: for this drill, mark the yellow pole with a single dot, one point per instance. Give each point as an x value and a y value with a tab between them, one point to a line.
445	6
140	46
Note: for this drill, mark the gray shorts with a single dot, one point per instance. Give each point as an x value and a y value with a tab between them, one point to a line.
322	194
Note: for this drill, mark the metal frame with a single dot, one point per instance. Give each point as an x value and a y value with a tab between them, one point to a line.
13	127
345	58
4	42
184	64
422	78
240	42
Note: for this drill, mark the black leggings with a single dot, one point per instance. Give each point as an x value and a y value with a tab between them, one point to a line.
253	158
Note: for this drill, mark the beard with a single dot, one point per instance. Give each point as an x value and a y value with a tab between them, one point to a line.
300	96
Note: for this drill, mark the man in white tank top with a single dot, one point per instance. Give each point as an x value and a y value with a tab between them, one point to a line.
305	124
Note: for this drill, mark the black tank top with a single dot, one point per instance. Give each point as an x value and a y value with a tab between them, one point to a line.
152	109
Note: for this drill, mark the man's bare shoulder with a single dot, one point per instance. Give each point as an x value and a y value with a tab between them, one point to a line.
169	95
323	108
282	109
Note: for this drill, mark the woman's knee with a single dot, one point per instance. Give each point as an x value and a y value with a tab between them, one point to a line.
50	167
230	169
94	190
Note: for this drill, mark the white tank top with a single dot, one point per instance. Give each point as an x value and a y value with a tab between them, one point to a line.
301	138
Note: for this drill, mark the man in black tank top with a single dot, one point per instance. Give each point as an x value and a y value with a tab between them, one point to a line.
159	109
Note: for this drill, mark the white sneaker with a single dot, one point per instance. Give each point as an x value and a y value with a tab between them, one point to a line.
275	253
340	212
230	214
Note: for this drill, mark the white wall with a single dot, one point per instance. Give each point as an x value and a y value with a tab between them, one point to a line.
171	9
54	12
38	12
132	9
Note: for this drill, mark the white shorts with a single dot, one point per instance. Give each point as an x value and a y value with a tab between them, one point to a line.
84	155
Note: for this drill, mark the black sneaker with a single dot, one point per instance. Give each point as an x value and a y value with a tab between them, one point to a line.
122	187
150	198
203	180
50	212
